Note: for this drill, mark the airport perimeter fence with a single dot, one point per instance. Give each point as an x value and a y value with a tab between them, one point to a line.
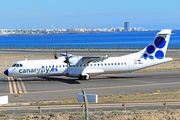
95	111
83	46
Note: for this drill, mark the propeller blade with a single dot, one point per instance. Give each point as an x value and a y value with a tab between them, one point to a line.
67	59
55	55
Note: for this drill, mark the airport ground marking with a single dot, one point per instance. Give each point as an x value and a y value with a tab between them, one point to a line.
14	85
19	87
23	86
10	86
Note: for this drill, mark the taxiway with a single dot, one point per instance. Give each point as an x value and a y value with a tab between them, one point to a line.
54	88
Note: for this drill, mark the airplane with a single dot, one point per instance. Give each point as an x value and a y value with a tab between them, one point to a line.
83	67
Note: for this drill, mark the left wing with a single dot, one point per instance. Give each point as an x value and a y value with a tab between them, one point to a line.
93	59
74	60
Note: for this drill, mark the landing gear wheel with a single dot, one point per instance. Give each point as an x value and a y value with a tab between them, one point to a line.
80	77
86	78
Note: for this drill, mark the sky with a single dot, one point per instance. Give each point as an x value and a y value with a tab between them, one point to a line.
48	14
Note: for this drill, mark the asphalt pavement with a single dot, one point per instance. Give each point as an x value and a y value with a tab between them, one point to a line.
55	88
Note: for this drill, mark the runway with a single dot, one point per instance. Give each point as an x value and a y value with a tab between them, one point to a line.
55	88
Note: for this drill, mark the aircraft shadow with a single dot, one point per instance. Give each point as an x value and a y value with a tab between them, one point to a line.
113	77
69	81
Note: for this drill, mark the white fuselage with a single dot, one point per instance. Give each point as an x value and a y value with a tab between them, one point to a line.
57	67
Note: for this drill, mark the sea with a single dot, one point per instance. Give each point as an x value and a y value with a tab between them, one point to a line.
119	40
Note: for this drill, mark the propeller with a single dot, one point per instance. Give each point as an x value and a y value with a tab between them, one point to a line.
67	59
55	55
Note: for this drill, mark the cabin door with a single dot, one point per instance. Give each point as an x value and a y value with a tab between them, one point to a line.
131	64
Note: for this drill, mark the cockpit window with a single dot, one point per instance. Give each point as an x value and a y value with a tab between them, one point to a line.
17	65
14	65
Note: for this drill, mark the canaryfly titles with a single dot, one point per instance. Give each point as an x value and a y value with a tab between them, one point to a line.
40	70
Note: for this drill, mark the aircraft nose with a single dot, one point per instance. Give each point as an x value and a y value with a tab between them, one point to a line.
6	72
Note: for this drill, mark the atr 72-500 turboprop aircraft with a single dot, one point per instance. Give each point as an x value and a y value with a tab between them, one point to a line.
83	67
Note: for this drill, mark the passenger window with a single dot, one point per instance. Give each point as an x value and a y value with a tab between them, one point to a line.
94	64
118	63
42	66
121	63
114	63
108	63
56	66
91	64
98	64
59	65
125	63
49	66
105	64
63	65
84	65
101	64
80	65
111	63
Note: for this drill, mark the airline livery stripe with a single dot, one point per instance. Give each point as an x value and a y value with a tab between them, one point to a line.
14	85
10	86
23	86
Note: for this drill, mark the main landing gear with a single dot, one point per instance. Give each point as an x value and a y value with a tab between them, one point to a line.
83	77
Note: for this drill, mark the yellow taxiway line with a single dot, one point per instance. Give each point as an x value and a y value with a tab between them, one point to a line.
10	86
24	88
15	87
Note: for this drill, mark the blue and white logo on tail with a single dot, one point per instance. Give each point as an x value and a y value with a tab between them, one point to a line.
154	53
157	49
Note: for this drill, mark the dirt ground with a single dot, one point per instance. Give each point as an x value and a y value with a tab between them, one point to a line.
100	115
7	60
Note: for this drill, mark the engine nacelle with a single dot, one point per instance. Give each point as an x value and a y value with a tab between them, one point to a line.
76	60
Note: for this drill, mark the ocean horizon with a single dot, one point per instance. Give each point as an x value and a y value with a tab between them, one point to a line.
87	40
